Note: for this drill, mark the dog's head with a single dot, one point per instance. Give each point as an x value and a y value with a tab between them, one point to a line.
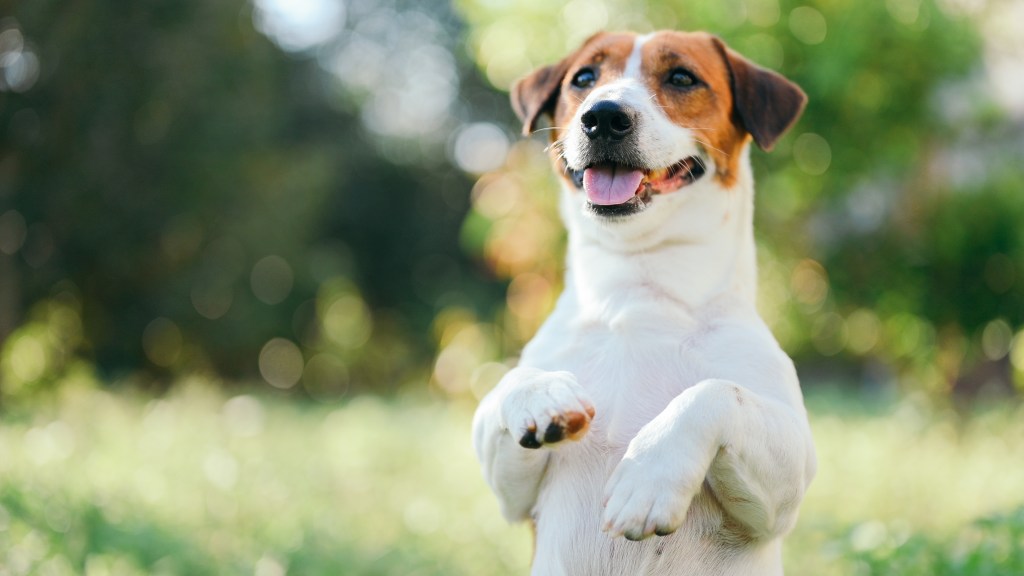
638	119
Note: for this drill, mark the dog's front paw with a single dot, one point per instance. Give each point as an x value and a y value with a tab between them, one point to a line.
644	497
547	408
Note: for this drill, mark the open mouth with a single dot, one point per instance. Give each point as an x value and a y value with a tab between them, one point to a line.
616	189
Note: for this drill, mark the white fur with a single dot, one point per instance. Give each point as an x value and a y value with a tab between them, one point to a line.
636	57
700	428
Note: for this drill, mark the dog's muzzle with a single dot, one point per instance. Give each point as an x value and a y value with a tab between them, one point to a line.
615	177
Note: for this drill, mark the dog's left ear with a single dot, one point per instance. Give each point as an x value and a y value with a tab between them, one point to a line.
536	94
765	103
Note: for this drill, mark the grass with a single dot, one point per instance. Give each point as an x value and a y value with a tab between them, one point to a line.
197	482
905	489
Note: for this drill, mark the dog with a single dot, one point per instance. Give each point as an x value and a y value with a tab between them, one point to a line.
653	425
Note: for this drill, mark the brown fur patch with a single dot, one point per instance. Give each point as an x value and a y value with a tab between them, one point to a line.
707	109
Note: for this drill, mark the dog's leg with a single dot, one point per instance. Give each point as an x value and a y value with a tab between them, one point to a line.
754	451
527	412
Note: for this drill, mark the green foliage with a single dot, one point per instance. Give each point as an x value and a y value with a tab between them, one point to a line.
191	192
991	546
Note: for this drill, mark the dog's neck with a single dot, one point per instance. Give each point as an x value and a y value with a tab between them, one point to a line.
692	270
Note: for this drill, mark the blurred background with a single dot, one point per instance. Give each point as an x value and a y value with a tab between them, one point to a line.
259	260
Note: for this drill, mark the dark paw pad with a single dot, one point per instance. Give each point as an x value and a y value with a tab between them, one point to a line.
554	433
568	426
529	440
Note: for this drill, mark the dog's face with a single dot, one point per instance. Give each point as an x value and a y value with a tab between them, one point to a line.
639	119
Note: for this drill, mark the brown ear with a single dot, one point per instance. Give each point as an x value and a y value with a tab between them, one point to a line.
765	103
537	93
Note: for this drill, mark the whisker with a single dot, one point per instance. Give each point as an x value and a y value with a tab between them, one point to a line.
652	97
706	145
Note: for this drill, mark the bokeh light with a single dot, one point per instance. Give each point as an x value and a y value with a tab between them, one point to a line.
19	64
763	13
212	298
864	331
812	153
162	341
347	321
904	11
27	359
809	282
44	347
480	147
298	25
244	416
281	363
269	566
400	67
326	377
808	25
271	279
996	339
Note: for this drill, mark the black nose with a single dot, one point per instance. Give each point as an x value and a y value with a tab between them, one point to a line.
607	120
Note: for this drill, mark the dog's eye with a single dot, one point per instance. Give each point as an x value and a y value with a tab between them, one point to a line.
585	78
681	78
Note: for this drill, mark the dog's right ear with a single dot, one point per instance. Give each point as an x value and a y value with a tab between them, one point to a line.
536	94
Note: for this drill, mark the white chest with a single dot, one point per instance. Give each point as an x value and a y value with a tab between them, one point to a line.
632	366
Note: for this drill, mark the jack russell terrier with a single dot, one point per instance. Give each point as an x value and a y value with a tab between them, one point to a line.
654	401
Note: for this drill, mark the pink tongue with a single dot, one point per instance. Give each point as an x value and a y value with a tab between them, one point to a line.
610	184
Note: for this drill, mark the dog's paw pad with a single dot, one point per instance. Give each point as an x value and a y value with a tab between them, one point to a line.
555	431
568	426
574	424
549	409
529	439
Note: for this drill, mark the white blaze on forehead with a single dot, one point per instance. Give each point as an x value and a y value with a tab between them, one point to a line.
635	57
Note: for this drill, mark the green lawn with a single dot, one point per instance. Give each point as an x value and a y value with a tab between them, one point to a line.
198	483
